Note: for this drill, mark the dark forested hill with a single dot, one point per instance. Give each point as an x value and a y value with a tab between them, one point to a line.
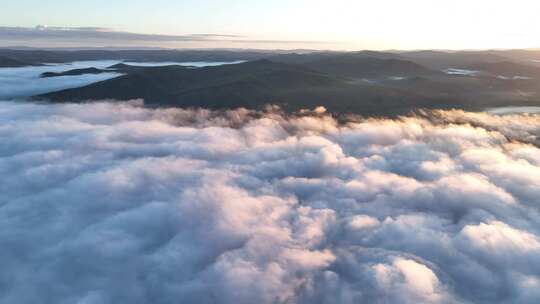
507	69
364	64
74	72
253	85
361	82
7	62
250	82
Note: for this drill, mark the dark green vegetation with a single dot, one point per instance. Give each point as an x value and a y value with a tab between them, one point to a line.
8	62
73	72
507	69
357	65
370	83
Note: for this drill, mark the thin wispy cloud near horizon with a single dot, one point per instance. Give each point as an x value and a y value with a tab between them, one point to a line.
45	36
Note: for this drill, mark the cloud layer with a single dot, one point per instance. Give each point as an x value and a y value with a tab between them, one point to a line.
116	203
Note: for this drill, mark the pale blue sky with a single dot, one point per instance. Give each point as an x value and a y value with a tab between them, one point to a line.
348	24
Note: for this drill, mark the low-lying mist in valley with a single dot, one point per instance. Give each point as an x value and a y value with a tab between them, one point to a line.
117	203
26	81
22	82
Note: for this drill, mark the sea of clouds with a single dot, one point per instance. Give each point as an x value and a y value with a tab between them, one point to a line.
117	203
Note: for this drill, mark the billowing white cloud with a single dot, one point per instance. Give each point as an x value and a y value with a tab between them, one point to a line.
116	203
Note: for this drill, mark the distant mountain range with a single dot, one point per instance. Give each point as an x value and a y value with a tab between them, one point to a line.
8	62
371	83
34	57
435	60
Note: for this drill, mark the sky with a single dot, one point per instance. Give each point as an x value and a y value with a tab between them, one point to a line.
340	24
